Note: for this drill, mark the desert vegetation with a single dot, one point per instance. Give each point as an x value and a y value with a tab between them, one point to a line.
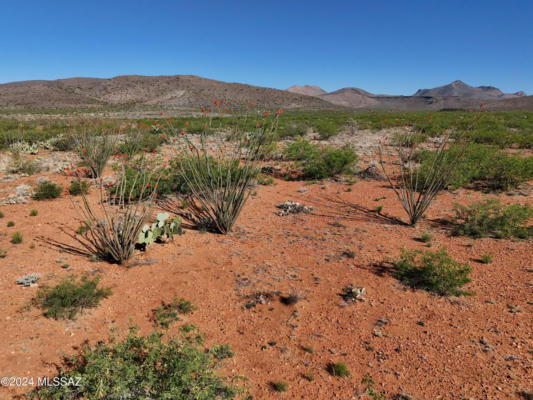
268	253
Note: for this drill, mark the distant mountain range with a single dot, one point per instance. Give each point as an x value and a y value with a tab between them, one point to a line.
461	89
190	92
456	95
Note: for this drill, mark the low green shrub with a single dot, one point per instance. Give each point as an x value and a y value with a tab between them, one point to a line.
492	218
140	368
325	129
221	351
320	163
280	386
10	224
338	369
16	238
47	190
432	271
426	237
487	258
484	165
33	213
78	187
69	297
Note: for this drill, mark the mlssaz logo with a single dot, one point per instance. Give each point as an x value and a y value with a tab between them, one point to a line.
58	381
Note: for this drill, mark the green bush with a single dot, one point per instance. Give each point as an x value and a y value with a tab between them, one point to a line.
320	163
432	271
487	258
140	368
485	165
33	213
47	190
78	187
10	224
338	369
325	129
69	297
280	386
16	238
492	218
221	351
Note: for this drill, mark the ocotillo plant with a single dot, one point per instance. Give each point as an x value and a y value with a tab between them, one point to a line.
219	164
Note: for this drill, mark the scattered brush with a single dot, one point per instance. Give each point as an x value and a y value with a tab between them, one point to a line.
220	167
114	222
338	369
433	271
69	297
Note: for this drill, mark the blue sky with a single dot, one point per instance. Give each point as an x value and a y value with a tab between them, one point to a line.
382	46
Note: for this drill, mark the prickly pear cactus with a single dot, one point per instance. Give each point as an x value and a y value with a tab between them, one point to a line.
161	230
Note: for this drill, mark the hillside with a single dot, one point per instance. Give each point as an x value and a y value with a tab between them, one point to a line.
183	91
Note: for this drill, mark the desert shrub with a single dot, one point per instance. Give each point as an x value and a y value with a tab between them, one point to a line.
167	313
95	149
320	163
141	368
3	253
487	258
69	297
47	190
62	143
33	213
16	238
369	383
484	165
78	187
10	224
23	166
301	150
265	180
426	237
432	271
136	143
325	129
220	168
292	129
492	218
114	221
338	369
279	386
221	351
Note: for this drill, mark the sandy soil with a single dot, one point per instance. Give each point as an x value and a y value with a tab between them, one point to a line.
409	341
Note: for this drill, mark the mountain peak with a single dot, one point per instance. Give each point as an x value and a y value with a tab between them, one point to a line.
460	89
308	90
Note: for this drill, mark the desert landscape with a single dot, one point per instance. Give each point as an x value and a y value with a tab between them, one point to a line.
182	238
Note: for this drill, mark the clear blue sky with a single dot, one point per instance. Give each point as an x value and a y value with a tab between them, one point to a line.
383	46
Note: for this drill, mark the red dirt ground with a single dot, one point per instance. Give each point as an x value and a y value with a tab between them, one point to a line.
300	254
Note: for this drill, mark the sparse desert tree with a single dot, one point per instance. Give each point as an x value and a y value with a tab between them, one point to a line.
219	164
113	220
